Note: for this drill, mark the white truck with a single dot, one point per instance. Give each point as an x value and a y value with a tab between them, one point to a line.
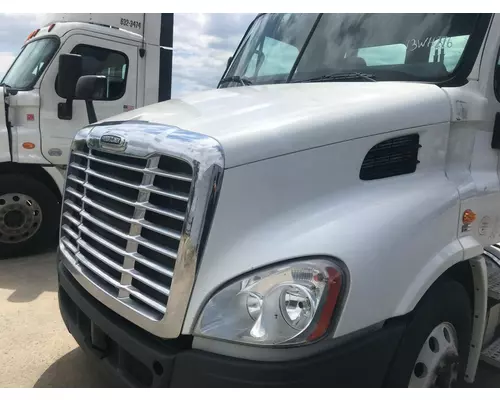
134	53
326	217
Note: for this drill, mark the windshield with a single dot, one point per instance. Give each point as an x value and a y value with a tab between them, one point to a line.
30	63
282	48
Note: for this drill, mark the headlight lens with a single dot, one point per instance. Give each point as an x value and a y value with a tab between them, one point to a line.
289	304
296	306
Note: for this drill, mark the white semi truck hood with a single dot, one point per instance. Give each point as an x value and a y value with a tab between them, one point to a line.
258	122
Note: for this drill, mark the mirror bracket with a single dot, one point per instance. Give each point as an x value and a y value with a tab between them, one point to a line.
90	111
89	88
65	110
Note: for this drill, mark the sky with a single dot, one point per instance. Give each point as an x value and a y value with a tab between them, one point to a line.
202	45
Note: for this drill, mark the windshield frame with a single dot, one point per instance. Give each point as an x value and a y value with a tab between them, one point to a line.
44	68
242	40
458	77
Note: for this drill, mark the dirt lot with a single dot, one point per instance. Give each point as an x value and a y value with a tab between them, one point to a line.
35	348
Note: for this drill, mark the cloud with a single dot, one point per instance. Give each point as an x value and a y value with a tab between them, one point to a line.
202	45
15	29
6	59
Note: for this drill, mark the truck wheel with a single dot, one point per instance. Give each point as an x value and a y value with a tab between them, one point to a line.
29	216
434	349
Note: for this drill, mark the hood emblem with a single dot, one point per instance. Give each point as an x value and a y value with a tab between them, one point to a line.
108	141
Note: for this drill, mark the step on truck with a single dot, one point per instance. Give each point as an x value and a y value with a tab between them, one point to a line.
38	119
328	216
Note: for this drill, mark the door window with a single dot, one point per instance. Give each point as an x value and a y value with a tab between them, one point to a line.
105	62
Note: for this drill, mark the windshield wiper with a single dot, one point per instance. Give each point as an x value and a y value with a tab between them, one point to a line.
237	79
339	76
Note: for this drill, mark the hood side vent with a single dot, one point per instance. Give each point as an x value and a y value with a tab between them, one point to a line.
392	157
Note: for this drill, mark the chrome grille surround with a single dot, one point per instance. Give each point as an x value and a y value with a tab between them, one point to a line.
149	143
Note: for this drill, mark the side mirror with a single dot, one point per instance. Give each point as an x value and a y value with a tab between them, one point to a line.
70	70
88	88
91	87
229	61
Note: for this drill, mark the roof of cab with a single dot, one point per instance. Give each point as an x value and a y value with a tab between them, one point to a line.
61	28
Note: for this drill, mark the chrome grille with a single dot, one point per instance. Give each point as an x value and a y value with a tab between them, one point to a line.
122	223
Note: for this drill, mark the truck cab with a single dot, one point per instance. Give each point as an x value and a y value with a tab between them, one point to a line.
329	216
37	125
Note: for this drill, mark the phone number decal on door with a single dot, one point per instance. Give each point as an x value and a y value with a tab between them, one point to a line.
130	23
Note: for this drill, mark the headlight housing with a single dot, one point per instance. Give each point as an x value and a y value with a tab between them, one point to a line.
289	304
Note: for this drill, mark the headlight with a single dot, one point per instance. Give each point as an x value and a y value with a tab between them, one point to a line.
289	304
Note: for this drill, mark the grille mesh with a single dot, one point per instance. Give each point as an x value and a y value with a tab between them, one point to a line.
392	157
122	221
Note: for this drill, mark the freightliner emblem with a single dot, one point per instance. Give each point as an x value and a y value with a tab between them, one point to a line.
111	142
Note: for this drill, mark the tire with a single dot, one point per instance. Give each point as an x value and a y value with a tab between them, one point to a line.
37	233
445	303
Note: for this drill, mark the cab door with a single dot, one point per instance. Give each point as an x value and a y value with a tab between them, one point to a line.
480	113
117	61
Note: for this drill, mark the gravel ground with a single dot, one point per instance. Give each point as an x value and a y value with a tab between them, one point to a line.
36	350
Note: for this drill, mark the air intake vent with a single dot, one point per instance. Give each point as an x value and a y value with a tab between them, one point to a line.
392	157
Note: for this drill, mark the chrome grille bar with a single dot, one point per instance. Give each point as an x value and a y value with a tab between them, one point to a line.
164	231
70	218
145	206
136	239
155	171
74	192
136	274
151	189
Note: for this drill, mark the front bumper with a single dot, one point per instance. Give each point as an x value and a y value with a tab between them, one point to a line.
139	359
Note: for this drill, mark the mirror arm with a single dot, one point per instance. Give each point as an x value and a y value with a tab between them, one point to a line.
90	111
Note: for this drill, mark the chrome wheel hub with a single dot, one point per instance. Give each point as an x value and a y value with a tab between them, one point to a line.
20	217
437	362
